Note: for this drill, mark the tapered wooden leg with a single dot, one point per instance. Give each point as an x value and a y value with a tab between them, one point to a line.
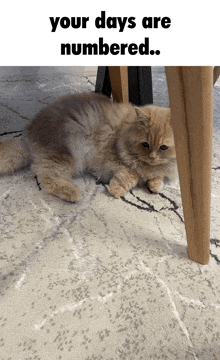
190	93
119	83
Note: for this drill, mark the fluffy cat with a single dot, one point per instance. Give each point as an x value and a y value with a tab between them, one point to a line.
120	144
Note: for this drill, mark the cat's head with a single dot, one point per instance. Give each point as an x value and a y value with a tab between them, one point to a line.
149	139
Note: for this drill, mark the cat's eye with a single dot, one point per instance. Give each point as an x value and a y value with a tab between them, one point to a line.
145	144
163	147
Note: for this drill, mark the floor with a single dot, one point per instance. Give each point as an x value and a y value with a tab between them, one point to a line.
103	279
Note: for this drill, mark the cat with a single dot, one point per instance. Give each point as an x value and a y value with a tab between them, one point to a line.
120	144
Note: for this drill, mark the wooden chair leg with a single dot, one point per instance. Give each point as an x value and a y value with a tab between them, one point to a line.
190	93
119	83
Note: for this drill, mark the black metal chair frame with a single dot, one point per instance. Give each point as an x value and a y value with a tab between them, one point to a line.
139	83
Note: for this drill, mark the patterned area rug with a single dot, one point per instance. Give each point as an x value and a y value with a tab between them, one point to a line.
106	279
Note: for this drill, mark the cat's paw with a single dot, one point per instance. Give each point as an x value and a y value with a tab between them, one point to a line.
71	195
155	185
115	189
63	190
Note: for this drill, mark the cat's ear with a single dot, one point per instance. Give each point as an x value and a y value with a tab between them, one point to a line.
138	111
142	111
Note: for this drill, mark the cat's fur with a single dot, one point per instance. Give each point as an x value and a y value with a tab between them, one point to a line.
89	132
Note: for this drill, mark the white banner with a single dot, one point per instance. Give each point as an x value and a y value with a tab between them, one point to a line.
91	33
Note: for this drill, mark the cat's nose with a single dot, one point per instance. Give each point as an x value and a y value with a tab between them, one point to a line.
152	155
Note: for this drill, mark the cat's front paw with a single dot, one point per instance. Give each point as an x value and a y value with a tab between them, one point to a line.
116	189
155	185
62	189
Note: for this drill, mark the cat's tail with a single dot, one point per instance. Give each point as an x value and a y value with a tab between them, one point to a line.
14	155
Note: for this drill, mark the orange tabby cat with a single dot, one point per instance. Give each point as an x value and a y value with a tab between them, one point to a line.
120	144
